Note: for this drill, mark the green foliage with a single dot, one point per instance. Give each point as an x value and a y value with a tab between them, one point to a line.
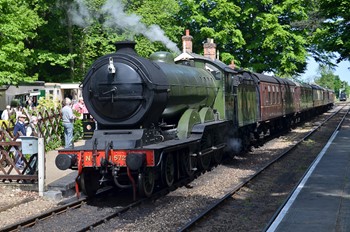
334	33
328	79
53	53
42	39
346	88
93	35
18	23
56	140
259	34
48	103
15	103
53	144
154	12
213	19
77	132
78	129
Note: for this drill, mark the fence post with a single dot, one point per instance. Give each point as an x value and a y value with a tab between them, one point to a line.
41	166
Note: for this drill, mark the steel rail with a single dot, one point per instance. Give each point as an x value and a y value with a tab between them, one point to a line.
247	180
30	222
156	195
48	214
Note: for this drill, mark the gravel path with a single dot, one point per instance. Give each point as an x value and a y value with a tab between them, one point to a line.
16	205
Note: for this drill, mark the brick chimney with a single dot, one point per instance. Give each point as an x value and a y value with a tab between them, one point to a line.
187	42
210	49
232	65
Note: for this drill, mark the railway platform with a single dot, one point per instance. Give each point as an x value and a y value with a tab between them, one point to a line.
321	202
59	184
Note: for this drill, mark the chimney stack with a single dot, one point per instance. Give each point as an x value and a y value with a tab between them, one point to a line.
210	49
232	65
187	42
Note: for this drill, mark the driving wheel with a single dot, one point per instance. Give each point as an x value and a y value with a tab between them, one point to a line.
146	182
168	170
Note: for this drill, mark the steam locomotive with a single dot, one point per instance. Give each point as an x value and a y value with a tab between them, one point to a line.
159	121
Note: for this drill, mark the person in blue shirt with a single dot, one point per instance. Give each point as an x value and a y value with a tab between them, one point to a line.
19	130
20	126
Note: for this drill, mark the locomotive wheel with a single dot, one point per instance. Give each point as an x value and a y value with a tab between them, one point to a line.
146	182
168	170
204	160
246	142
89	182
187	163
218	154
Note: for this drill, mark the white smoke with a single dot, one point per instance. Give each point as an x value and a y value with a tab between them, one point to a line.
234	145
80	14
113	12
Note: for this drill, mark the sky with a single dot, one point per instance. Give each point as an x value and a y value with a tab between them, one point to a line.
342	71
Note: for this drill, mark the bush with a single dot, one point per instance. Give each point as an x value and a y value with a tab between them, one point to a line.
15	103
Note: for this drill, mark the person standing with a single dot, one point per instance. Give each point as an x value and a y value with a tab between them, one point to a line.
19	130
6	113
20	127
80	107
68	119
32	128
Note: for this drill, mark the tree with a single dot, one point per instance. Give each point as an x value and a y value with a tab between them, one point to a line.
334	31
97	25
328	80
53	47
159	18
258	34
18	24
213	19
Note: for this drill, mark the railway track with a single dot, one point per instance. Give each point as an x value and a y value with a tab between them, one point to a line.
50	219
44	216
68	217
46	221
206	218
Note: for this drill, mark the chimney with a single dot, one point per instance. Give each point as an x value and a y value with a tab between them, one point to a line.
232	65
210	49
126	47
187	42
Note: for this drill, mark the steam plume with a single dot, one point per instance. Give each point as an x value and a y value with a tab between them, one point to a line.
113	12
